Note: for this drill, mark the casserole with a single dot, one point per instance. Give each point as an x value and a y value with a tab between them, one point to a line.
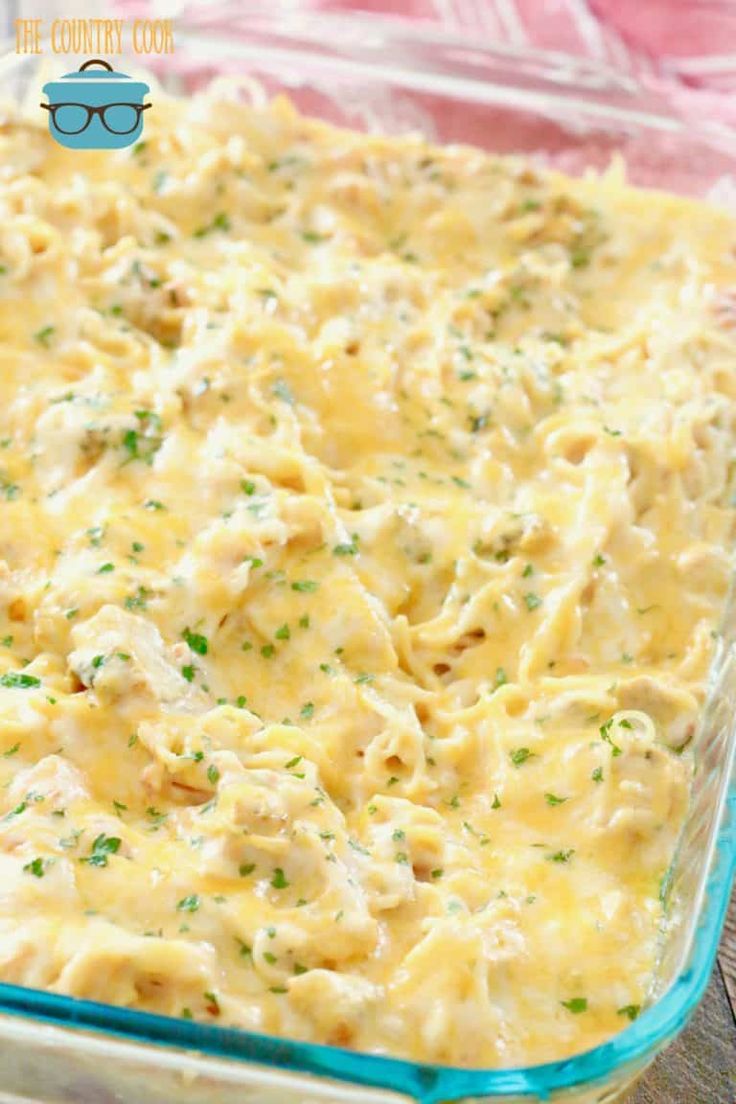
583	1075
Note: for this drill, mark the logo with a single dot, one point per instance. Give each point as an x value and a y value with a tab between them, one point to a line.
96	108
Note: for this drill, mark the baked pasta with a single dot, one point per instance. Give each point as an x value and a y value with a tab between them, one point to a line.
365	529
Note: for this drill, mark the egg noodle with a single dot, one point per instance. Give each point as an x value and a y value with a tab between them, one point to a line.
365	529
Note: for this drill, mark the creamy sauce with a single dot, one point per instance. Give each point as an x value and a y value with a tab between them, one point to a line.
365	528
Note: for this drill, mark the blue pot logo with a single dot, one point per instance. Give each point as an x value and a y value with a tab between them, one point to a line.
96	108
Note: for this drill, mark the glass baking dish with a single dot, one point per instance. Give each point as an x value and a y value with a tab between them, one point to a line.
381	74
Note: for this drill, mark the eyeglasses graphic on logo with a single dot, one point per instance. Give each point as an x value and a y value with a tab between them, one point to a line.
95	109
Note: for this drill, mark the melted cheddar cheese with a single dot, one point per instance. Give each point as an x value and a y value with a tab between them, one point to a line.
365	529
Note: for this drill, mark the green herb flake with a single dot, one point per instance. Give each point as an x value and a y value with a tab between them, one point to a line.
278	881
35	867
575	1005
605	731
21	808
521	755
44	335
561	856
346	549
196	642
17	680
188	904
552	799
101	848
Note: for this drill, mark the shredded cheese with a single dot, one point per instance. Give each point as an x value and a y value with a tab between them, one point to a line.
366	524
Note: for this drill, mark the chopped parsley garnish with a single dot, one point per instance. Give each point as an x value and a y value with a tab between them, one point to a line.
144	443
196	642
188	904
278	881
282	633
575	1004
307	710
631	1011
188	672
21	808
304	586
35	867
552	799
44	335
213	774
605	731
346	549
520	755
533	601
139	600
597	774
101	848
561	856
579	258
17	680
219	222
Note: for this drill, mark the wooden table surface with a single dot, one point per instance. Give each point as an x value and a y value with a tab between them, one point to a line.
700	1067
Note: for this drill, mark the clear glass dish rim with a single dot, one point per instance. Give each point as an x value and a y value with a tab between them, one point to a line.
618	101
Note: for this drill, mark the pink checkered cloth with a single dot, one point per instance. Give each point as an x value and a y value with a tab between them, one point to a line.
682	43
689	41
